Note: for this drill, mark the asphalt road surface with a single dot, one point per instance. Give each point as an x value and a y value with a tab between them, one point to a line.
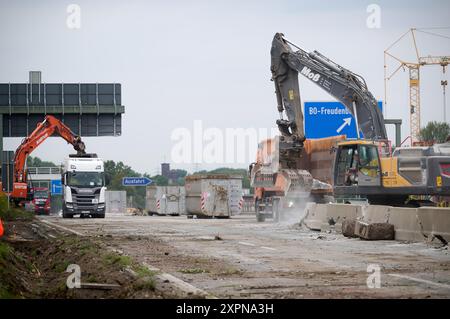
241	258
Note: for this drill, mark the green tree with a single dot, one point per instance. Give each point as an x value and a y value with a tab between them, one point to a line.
160	180
115	172
435	132
37	162
181	172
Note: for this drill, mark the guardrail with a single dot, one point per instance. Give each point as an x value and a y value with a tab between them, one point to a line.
43	170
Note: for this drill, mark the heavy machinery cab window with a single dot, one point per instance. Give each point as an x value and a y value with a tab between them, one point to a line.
368	160
85	179
346	162
357	165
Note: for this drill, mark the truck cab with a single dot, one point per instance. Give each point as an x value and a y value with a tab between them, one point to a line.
83	180
41	200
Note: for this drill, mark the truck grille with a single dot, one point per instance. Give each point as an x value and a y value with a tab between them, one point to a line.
82	201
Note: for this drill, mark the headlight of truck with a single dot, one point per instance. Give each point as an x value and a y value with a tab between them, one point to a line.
100	206
69	205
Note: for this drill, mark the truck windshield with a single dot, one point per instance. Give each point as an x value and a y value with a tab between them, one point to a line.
40	194
85	179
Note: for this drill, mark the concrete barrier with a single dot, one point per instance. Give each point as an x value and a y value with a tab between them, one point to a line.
375	213
323	217
410	224
315	214
405	223
434	222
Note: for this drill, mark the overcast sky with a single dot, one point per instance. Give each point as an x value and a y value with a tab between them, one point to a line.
180	61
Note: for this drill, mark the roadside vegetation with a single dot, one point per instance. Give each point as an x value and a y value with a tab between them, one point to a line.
10	213
35	266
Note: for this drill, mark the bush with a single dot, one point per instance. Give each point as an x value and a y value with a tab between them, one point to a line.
12	213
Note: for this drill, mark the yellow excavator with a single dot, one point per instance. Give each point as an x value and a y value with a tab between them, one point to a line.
363	168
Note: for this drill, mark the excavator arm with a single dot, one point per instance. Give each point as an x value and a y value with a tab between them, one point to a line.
347	87
51	125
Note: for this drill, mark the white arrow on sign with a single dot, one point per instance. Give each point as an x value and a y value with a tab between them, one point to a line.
347	121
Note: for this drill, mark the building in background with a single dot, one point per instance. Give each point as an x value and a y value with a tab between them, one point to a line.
171	174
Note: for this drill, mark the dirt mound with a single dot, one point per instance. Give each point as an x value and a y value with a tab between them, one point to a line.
36	267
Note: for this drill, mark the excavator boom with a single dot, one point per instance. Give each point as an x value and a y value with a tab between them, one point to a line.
347	87
51	125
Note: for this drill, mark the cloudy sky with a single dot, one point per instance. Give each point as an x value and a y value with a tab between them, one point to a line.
181	61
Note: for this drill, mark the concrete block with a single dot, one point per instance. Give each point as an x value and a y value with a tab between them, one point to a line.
410	224
374	231
435	222
348	228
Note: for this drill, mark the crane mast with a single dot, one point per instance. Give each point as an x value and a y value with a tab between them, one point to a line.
414	77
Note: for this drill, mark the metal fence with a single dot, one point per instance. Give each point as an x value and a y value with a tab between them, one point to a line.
248	204
44	170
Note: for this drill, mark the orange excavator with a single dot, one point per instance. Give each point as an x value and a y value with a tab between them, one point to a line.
50	126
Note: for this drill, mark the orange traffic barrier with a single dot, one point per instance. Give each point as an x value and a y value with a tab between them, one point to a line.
1	228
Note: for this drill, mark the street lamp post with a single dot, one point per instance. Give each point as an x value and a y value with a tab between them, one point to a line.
444	84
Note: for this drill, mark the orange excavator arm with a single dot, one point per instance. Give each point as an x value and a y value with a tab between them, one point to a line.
51	125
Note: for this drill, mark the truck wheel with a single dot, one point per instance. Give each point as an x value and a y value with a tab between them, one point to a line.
276	210
67	215
260	218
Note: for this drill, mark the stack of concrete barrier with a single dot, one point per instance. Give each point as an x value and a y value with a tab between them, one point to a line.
409	224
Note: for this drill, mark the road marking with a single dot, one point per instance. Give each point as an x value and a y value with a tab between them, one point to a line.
428	282
62	227
246	244
268	248
180	284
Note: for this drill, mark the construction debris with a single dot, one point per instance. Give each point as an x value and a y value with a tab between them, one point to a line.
85	285
374	231
348	228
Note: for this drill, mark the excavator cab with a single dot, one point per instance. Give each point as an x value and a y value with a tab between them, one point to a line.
357	164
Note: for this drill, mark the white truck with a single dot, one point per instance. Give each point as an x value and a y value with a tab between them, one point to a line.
83	183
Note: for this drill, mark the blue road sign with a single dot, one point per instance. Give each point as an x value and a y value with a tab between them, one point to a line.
136	181
56	187
325	119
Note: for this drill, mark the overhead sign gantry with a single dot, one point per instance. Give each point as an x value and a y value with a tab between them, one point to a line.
88	109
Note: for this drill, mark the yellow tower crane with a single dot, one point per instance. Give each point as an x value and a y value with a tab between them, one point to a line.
414	76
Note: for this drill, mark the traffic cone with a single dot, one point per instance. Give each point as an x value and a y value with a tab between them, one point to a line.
1	228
